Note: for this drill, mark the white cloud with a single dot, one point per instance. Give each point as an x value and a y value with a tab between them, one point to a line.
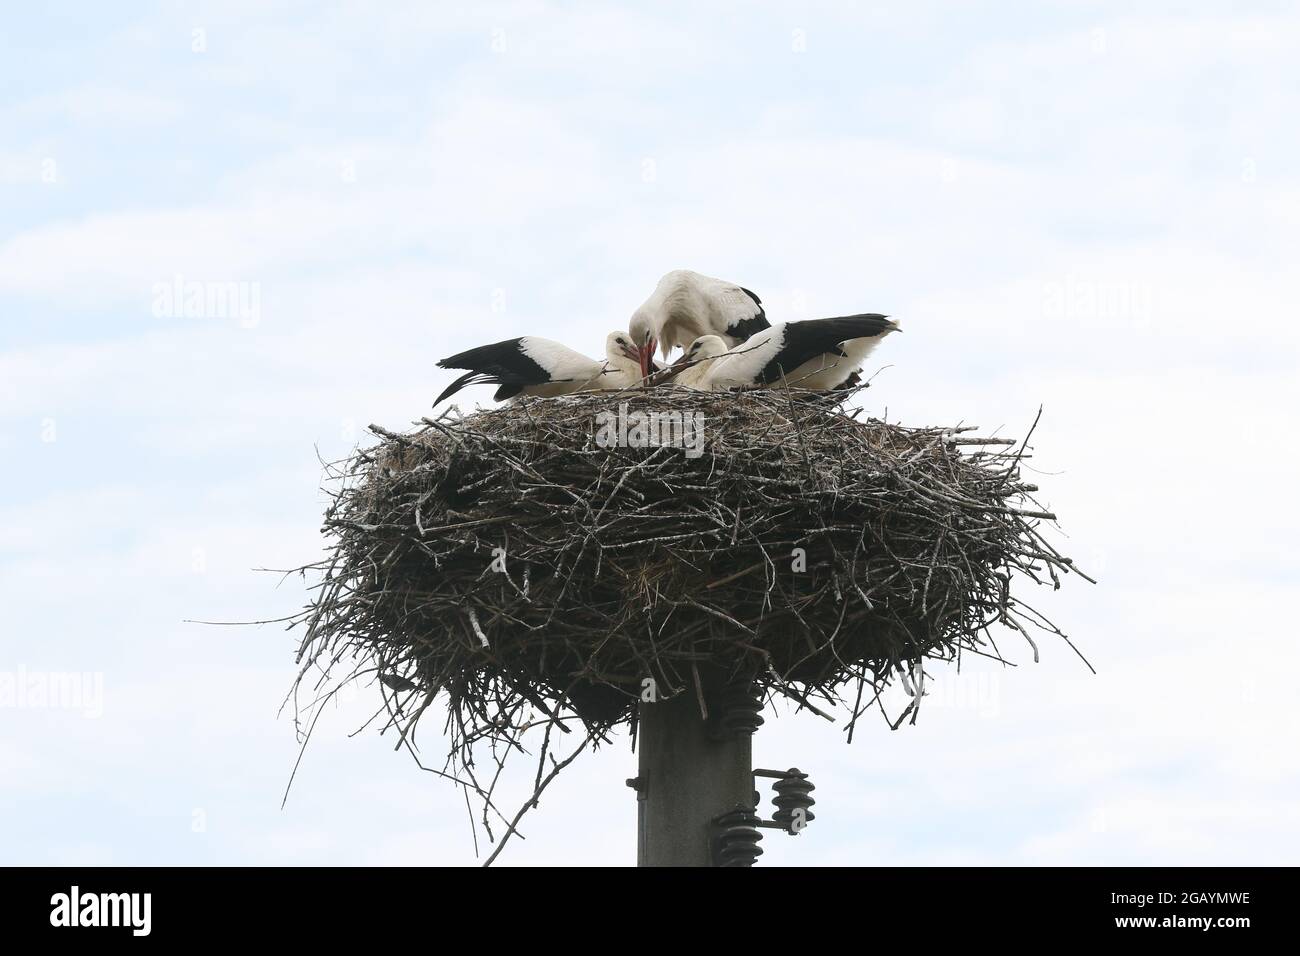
103	106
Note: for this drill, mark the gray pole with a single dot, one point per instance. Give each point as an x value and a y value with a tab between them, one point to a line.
686	779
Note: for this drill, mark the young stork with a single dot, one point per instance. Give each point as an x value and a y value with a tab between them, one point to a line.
698	362
531	365
819	354
686	305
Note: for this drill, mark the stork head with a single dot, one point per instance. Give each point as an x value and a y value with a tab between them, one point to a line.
621	351
705	347
643	334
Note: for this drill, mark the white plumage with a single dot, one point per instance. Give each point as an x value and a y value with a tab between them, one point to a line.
622	363
698	362
686	305
531	365
819	354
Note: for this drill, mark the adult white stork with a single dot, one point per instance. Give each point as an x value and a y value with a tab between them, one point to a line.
686	305
819	354
531	365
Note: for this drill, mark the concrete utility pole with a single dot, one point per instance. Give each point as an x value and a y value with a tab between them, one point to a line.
686	779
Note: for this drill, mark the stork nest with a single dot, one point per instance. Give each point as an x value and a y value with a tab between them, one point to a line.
541	561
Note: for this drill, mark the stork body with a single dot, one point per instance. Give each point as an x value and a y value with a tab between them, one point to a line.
819	354
531	365
686	305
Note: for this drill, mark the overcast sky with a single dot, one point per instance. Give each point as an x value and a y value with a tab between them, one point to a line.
1088	209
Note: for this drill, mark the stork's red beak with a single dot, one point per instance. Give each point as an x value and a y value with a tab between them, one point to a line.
647	356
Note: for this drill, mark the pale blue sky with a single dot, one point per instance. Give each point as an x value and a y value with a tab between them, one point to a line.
1092	207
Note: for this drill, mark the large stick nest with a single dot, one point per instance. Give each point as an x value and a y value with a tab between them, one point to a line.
510	561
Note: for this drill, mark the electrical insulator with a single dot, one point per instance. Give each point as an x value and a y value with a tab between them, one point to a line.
736	837
738	709
793	801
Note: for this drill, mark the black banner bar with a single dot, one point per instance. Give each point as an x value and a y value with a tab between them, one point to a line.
392	906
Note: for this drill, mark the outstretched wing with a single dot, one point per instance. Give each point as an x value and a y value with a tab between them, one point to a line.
513	364
803	341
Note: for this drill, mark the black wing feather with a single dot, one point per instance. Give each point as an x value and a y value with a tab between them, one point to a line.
501	363
804	341
469	378
745	328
